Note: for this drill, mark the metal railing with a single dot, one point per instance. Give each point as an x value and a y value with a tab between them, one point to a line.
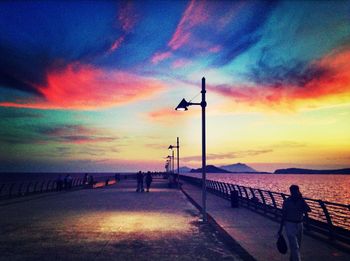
25	188
327	218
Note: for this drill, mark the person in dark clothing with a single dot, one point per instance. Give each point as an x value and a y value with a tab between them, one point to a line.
59	183
293	211
85	179
149	180
139	178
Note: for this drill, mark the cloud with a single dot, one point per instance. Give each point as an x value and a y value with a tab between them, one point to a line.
322	82
289	144
127	19
15	114
194	15
158	57
179	63
229	155
168	115
74	134
84	87
63	134
221	29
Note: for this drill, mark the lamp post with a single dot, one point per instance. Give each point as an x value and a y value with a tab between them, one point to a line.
183	107
177	147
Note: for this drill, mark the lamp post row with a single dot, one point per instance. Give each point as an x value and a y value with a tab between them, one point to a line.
183	107
177	147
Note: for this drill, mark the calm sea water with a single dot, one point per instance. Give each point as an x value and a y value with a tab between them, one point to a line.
334	188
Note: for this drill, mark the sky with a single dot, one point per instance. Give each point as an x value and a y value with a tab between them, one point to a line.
92	85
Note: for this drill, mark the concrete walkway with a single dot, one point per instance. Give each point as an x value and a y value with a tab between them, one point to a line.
112	223
257	234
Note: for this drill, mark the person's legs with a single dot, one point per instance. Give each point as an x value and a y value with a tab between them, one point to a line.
138	186
292	234
299	234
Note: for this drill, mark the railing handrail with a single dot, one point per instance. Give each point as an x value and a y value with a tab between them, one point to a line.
334	222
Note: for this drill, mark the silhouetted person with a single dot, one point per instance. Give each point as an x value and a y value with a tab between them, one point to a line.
148	180
293	212
69	181
139	178
91	180
85	179
65	181
59	183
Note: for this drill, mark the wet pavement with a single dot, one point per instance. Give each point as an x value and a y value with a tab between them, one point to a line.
258	234
111	223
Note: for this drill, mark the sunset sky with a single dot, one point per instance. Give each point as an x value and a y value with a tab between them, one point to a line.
92	86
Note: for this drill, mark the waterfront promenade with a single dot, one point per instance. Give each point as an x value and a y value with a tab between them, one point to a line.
257	234
110	223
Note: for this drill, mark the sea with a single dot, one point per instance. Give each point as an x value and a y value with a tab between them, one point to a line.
332	188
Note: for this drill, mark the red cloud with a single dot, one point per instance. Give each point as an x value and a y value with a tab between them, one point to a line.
127	20
194	15
117	43
326	89
84	87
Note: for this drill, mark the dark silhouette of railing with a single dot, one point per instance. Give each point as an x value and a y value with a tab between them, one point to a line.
25	188
326	218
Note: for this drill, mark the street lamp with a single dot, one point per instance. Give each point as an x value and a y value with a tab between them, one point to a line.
183	107
177	147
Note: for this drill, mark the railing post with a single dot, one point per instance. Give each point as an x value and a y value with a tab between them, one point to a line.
246	195
263	200
328	218
28	187
19	191
274	203
11	188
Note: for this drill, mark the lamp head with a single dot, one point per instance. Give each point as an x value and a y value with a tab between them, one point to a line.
182	106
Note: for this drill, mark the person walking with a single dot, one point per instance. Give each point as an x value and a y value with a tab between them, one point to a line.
139	178
293	211
149	180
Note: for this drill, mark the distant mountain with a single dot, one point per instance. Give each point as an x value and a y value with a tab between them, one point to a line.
184	169
312	171
210	169
238	167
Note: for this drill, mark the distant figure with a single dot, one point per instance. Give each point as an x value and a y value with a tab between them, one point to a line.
91	180
139	178
65	181
59	183
148	180
85	179
293	212
69	181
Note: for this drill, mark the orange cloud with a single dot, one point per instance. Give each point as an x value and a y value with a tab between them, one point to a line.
326	89
169	115
84	87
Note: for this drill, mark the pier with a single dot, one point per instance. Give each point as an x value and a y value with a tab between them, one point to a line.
112	221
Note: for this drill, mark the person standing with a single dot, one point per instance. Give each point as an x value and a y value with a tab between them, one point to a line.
293	211
139	178
149	180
